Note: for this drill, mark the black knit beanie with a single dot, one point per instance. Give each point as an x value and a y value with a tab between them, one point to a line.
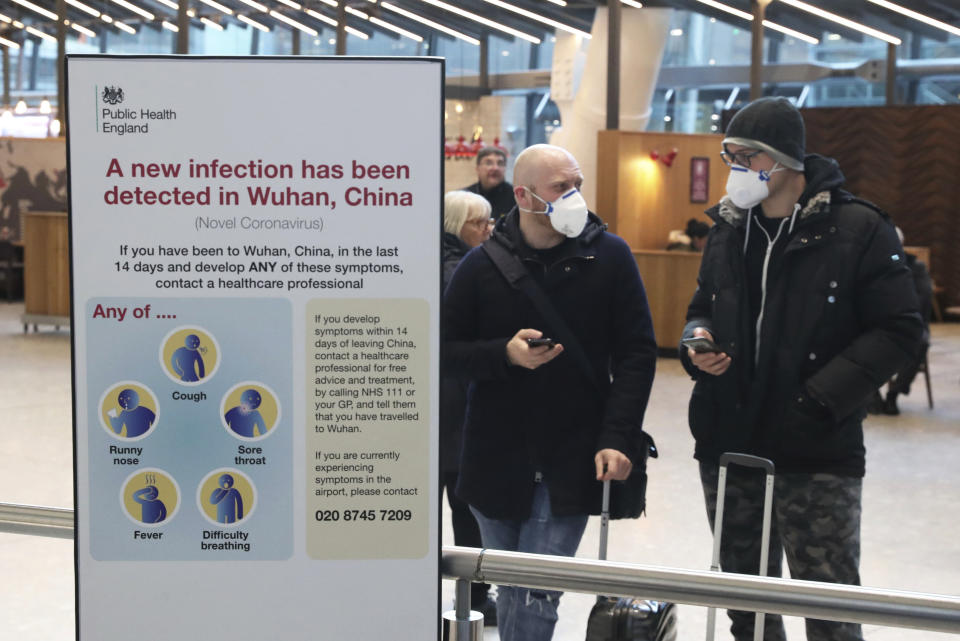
774	125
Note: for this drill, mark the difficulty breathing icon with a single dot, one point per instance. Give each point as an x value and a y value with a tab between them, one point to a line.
228	500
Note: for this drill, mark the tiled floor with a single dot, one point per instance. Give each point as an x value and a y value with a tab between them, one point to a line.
911	506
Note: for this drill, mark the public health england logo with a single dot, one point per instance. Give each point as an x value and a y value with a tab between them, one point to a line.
113	95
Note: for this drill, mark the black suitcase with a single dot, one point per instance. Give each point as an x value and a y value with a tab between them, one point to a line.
626	618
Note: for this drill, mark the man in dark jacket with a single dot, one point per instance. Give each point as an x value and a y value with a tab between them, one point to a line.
491	183
806	292
544	427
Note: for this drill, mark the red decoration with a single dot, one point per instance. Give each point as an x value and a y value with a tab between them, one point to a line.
461	150
476	146
670	157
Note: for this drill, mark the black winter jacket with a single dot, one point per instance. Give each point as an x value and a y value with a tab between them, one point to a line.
840	317
454	393
550	420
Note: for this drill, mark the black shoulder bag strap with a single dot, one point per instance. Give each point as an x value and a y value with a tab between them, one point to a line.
519	278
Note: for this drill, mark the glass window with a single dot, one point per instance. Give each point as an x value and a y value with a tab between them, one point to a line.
506	56
696	40
545	54
381	44
463	58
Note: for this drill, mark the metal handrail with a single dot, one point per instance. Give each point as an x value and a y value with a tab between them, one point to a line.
34	520
809	599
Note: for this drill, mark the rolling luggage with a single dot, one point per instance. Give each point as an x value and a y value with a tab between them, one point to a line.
625	618
745	460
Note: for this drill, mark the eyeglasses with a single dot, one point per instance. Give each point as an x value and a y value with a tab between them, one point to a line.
741	158
480	222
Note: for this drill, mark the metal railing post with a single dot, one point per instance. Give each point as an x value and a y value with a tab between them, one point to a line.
462	623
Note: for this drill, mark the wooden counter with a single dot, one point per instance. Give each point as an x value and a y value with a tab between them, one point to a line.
670	278
46	269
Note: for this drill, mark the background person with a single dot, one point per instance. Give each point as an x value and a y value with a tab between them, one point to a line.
491	183
466	224
693	238
900	383
539	432
806	291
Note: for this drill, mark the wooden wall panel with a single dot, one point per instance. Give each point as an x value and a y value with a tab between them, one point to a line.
46	264
907	161
670	279
642	199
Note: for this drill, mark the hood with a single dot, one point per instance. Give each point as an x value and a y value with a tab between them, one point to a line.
507	231
452	244
823	177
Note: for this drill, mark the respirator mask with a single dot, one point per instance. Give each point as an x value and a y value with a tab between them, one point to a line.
748	188
568	213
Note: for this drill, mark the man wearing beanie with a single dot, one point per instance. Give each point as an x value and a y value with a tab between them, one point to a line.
805	290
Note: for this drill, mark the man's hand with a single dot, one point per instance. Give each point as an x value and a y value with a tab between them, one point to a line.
612	465
709	362
519	353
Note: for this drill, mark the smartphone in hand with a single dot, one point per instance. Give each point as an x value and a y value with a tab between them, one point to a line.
539	342
701	345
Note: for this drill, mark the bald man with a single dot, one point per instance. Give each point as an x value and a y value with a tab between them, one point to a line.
547	422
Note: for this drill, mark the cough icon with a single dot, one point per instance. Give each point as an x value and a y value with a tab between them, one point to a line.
190	355
187	361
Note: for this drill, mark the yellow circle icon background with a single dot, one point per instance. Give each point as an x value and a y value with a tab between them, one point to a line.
168	490
269	408
209	351
240	482
109	402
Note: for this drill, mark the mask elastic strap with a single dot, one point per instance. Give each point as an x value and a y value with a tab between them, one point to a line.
545	212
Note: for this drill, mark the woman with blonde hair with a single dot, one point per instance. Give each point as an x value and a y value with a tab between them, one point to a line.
466	224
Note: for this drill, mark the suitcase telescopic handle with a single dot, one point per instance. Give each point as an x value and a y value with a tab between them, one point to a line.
747	460
766	465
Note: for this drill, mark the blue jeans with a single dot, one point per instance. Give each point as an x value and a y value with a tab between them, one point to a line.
524	614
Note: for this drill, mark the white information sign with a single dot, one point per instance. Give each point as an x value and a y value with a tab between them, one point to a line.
256	288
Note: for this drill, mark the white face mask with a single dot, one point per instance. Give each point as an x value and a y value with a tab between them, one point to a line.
568	213
748	188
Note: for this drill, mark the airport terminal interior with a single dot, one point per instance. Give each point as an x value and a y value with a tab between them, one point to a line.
910	507
878	83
